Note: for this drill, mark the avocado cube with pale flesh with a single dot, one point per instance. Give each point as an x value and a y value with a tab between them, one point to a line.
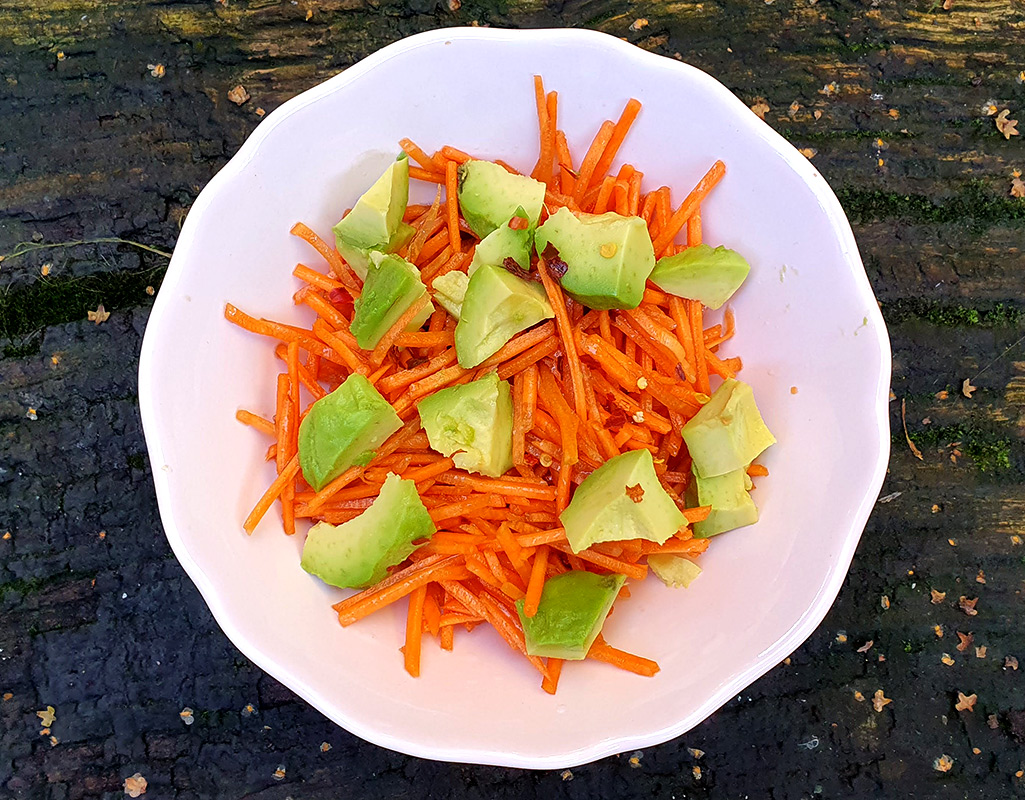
489	195
508	245
729	497
497	305
375	222
391	287
448	291
358	553
702	273
674	571
343	429
472	424
728	432
570	614
605	258
622	499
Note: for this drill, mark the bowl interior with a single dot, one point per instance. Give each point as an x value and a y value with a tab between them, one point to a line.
806	318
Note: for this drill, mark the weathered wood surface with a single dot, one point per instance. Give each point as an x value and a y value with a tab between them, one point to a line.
110	632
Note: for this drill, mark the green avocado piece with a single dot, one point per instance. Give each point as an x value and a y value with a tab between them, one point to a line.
497	305
506	242
343	429
391	287
728	432
489	195
674	571
732	506
375	222
472	423
608	257
449	290
358	553
570	615
359	257
604	508
701	273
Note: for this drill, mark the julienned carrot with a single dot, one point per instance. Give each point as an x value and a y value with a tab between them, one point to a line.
688	207
315	278
536	583
272	493
397	329
425	339
418	155
342	271
566	334
591	159
619	132
385	596
414	630
551	683
255	420
694	229
697	335
602	651
452	206
542	171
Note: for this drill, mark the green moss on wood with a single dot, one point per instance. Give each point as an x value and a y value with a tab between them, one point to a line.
26	309
950	314
990	451
972	203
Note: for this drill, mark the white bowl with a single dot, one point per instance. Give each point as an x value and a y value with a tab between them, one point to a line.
806	318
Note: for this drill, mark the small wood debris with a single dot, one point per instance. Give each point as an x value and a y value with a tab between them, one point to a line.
1017	185
943	764
760	107
696	772
238	95
47	716
980	651
635	492
859	696
1020	773
1015	539
976	751
325	746
904	421
1008	127
884	601
55	359
968	606
817	114
793	390
946	659
889	498
638	24
248	710
567	775
259	111
635	759
1010	662
936	508
830	89
966	702
937	597
867	646
102	535
948	4
952	542
309	12
150	291
157	70
279	773
967	388
808	152
135	786
992	721
793	109
45	269
841	638
938	630
893	113
54	741
32	414
981	577
6	537
880	701
695	753
99	316
187	715
965	640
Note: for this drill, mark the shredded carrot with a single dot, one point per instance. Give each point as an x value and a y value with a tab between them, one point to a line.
414	630
452	206
594	153
273	492
338	266
256	421
397	329
619	132
537	582
689	206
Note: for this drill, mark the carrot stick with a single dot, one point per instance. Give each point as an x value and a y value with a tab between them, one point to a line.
385	593
553	536
590	162
273	491
256	421
638	571
452	154
537	581
425	339
507	486
519	344
697	335
465	507
326	310
544	158
619	132
415	173
315	278
397	328
664	338
694	229
689	206
519	430
569	347
516	365
349	357
400	380
342	271
419	156
551	683
446	637
414	630
602	651
452	206
567	176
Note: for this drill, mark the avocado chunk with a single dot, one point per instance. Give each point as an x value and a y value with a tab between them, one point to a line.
510	240
732	506
728	432
359	257
358	553
343	429
701	273
497	305
676	572
391	287
570	615
375	222
489	195
449	290
472	423
608	257
622	499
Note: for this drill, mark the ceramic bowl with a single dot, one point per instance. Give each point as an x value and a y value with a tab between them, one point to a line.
808	328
